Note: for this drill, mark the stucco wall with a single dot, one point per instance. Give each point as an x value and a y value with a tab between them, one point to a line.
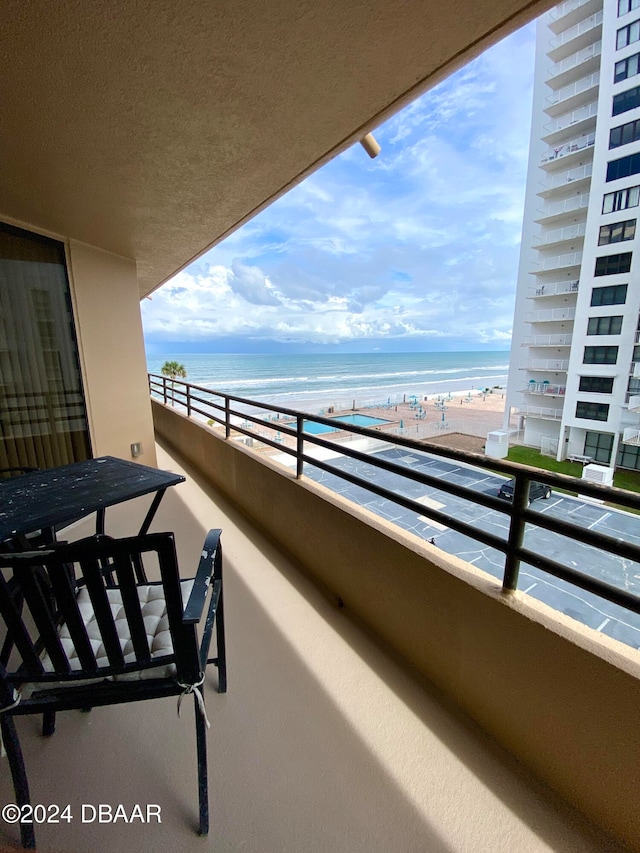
563	700
109	329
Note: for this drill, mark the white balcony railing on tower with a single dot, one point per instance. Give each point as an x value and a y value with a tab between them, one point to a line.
554	288
559	152
584	55
555	364
631	436
560	179
550	315
569	259
573	32
565	8
540	412
572	89
569	119
557	235
547	341
544	388
567	205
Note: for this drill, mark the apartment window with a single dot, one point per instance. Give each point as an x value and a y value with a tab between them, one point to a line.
628	456
626	101
592	411
612	295
604	325
624	133
600	355
626	68
625	6
617	232
628	35
596	384
599	445
621	200
613	264
623	167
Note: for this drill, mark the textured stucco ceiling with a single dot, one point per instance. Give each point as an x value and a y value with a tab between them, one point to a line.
154	129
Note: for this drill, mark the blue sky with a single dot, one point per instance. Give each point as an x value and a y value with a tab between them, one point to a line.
416	250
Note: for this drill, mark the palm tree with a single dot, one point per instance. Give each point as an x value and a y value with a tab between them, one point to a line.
173	370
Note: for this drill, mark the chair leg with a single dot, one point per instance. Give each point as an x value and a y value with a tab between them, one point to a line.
18	776
221	650
203	785
48	723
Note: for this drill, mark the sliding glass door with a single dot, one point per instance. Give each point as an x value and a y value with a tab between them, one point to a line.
43	421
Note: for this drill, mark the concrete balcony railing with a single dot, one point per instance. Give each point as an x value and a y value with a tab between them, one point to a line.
575	60
569	259
431	609
590	81
554	364
558	13
554	288
549	237
547	341
559	153
550	315
563	207
634	403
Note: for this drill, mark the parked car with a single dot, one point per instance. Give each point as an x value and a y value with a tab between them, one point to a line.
536	490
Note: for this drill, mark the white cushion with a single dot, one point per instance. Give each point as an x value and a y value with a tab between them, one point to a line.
156	622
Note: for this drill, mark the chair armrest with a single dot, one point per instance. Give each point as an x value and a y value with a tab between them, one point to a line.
195	605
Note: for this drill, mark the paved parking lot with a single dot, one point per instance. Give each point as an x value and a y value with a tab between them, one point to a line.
587	608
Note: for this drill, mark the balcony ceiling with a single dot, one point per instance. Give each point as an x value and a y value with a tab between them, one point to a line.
155	130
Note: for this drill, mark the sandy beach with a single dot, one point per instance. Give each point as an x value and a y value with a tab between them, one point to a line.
453	419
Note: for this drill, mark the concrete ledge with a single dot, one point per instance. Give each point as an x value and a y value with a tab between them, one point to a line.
561	698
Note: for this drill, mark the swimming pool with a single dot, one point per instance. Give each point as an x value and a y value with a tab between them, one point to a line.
358	420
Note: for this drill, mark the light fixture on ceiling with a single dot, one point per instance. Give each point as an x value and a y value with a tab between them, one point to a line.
370	145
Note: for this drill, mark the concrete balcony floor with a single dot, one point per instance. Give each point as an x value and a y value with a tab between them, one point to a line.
324	741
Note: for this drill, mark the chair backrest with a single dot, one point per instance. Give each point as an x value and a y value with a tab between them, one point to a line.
90	589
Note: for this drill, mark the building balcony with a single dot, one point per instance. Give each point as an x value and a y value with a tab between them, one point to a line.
554	288
556	262
547	341
546	388
577	65
577	178
578	121
555	236
557	210
550	315
557	365
563	155
542	412
571	12
576	38
573	96
634	403
631	436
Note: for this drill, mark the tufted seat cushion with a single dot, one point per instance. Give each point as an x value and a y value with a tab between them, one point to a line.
154	614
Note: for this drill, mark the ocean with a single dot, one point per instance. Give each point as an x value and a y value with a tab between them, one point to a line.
313	382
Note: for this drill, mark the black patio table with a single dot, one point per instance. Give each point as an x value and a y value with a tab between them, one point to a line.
53	497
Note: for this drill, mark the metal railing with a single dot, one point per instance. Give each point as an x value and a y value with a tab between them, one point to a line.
568	119
555	288
237	416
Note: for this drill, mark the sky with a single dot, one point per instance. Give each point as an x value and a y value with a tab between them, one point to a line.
415	251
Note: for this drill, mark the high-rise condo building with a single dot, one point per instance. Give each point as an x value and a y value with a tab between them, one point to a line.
574	380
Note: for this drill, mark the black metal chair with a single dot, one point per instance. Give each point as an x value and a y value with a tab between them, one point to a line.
82	632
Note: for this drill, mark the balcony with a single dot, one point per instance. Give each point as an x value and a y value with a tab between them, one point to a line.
544	413
566	14
551	237
565	154
634	403
554	288
556	262
576	38
578	178
547	341
550	315
631	436
545	388
559	209
579	120
585	60
559	365
573	96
